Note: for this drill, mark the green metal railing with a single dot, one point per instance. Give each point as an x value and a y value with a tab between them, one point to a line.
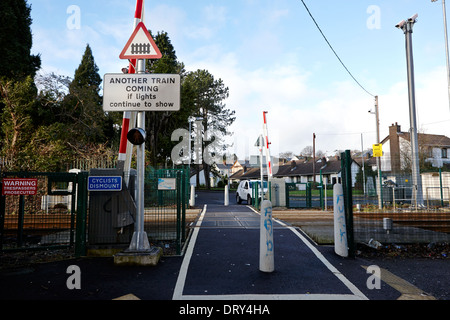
165	206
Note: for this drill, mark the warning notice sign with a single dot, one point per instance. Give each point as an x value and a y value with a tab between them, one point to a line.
19	186
141	92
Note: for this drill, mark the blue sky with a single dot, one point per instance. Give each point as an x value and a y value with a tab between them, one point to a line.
272	57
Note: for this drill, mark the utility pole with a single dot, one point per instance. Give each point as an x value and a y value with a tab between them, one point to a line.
407	27
380	195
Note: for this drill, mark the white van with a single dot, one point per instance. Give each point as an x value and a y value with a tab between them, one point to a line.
244	191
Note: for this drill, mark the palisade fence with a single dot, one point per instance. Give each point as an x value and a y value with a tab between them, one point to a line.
394	210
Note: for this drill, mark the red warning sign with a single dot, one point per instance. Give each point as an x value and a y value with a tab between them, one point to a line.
19	186
140	45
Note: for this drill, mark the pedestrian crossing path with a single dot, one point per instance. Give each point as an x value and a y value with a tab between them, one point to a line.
222	262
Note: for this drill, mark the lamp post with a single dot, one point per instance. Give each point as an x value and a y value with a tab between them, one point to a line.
446	46
407	28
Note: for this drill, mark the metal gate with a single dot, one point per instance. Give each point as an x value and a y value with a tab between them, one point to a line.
43	210
298	195
166	194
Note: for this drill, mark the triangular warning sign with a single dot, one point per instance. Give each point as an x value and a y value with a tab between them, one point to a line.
140	45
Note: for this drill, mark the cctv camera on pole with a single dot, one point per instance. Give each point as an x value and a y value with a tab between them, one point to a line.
407	27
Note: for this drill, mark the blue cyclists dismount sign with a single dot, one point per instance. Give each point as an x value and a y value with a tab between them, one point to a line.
105	183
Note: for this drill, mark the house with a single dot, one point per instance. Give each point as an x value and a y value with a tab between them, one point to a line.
397	149
302	172
239	165
330	169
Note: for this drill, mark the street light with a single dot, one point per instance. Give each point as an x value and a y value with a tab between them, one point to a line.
446	46
407	27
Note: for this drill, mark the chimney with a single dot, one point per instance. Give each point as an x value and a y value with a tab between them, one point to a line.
394	131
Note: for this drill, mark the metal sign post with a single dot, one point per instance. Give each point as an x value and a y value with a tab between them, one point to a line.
139	251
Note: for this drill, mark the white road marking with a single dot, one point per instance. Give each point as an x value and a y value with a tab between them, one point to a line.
178	291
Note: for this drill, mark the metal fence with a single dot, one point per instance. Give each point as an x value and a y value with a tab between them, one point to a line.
166	194
393	210
55	213
52	214
298	195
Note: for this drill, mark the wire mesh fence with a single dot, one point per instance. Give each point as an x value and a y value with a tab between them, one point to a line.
400	210
38	210
166	194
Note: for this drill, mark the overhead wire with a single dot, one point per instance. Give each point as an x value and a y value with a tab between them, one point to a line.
332	49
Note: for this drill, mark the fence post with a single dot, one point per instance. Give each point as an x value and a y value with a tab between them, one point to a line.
2	215
321	190
192	196
287	194
308	195
179	193
82	198
184	185
440	187
346	175
20	221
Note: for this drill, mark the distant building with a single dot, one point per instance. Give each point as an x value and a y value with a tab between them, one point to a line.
397	149
296	171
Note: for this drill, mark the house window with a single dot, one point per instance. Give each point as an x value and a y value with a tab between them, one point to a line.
444	153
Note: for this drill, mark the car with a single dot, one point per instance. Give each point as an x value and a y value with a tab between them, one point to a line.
245	191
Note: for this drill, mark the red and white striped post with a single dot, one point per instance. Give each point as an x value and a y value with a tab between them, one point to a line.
266	137
129	118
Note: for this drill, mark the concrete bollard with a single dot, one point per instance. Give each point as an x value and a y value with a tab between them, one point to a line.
266	249
226	200
192	198
340	230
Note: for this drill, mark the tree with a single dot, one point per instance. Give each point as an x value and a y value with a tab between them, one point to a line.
208	95
17	71
18	98
161	124
16	41
82	107
307	151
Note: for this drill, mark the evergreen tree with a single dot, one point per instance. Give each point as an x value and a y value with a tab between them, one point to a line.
161	124
86	75
82	107
17	64
16	41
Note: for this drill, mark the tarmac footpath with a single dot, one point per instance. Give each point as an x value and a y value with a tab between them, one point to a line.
222	262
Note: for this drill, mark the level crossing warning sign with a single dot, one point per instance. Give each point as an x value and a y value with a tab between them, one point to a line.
141	92
140	45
